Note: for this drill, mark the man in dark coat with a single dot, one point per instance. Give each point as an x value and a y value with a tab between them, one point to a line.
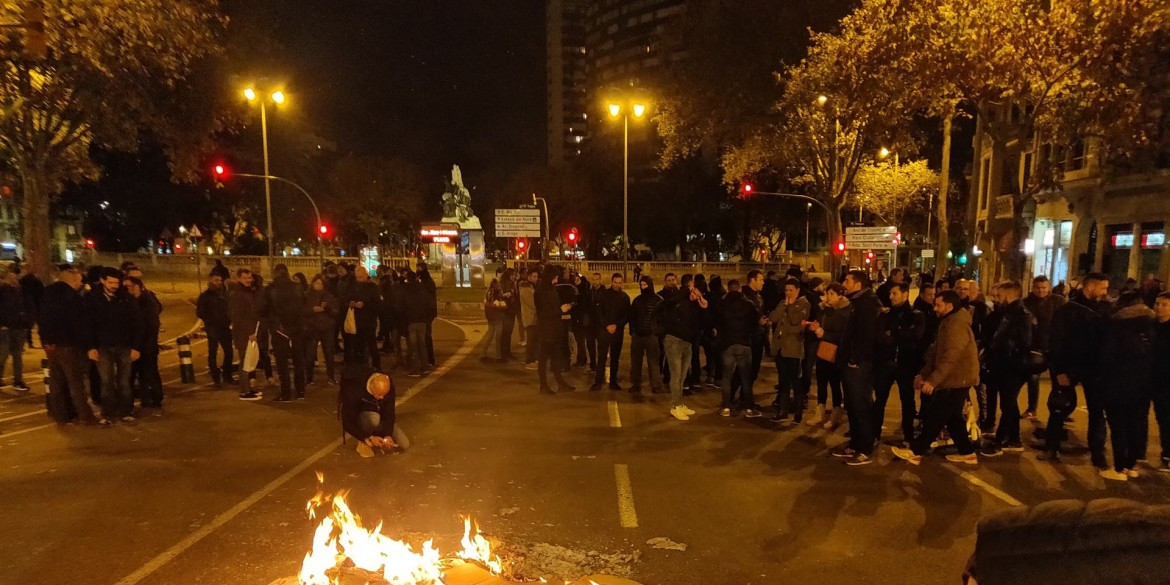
414	312
898	358
284	312
1074	349
1160	384
144	374
1127	357
33	290
432	306
63	335
1005	361
212	308
613	310
365	299
245	302
367	409
115	330
16	319
1043	305
645	323
551	332
856	355
736	322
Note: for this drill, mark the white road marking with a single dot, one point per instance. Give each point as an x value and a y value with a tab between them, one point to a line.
972	479
219	521
23	431
615	418
625	493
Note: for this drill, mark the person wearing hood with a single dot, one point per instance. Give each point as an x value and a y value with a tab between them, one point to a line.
951	369
790	318
855	356
829	331
645	323
736	320
1160	383
1127	355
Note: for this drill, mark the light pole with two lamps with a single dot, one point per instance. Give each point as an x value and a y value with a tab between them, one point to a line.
624	108
277	98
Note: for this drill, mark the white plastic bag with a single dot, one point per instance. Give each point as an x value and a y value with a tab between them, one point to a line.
252	353
350	327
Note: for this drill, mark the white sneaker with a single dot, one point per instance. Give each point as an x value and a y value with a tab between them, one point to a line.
680	414
1132	473
1113	475
687	410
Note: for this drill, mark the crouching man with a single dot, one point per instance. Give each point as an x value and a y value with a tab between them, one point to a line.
367	410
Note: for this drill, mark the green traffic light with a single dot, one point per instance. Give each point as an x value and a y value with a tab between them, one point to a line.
963	260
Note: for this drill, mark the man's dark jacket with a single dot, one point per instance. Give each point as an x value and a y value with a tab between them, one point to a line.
16	312
861	330
62	319
356	399
323	321
1078	328
370	296
284	307
212	308
900	338
930	321
644	313
736	321
682	317
1043	309
1009	344
613	308
113	321
149	308
412	304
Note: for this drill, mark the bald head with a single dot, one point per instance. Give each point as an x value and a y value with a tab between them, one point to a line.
378	385
361	274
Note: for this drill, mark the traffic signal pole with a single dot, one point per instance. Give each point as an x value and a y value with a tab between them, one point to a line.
316	211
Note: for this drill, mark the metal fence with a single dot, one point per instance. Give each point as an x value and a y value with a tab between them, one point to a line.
179	266
819	262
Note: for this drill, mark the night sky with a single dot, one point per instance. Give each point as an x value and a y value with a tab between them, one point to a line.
437	81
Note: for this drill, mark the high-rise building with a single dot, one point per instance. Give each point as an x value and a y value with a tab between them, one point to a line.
565	59
623	38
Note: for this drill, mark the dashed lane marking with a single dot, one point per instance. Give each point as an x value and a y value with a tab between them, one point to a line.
994	491
615	417
625	493
219	521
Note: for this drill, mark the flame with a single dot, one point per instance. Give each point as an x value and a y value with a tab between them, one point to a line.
477	548
340	540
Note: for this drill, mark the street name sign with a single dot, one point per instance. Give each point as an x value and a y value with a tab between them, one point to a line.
518	223
874	238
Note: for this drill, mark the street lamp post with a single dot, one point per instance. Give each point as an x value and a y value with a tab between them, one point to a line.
624	109
277	98
807	212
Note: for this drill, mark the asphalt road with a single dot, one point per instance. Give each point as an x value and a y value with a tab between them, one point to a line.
215	491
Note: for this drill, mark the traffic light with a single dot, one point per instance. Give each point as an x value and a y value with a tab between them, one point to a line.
521	245
897	241
323	229
89	243
869	257
178	246
963	260
839	247
220	172
572	236
746	189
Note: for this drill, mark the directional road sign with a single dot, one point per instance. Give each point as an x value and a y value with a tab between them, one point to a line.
872	238
518	223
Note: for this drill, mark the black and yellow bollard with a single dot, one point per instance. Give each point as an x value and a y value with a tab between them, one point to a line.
186	365
48	387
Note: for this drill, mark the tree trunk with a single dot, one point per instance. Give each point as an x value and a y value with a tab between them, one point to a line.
836	234
36	223
941	265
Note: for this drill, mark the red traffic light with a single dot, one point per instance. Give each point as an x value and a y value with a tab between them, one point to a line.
840	247
220	172
323	229
521	244
178	247
89	243
746	189
572	236
869	255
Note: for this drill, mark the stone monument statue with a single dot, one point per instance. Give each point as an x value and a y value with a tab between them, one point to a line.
457	202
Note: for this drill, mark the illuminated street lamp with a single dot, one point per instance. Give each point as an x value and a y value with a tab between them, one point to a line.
277	98
623	108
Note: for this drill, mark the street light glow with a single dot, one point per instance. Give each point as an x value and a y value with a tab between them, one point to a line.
278	97
639	110
884	152
615	110
821	100
250	94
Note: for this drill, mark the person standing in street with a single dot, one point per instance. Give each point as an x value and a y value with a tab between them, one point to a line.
1160	382
789	319
950	371
16	318
527	294
389	329
681	321
735	326
550	332
897	277
855	356
1005	360
115	329
1127	357
62	326
33	290
1078	327
898	357
432	309
245	301
364	299
613	309
511	313
144	373
212	308
493	311
415	314
645	324
1042	304
829	331
924	304
284	311
321	309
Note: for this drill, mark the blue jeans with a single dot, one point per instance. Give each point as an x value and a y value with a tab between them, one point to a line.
858	380
678	358
12	344
114	369
737	361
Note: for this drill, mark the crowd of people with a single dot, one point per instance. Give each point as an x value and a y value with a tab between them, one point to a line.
958	358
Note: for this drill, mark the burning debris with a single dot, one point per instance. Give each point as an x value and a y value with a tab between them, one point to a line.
344	551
